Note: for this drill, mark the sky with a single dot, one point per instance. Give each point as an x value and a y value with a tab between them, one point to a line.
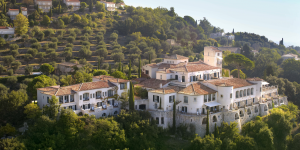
274	19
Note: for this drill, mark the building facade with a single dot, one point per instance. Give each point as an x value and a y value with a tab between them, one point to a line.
12	13
74	3
45	5
99	98
109	6
290	56
7	31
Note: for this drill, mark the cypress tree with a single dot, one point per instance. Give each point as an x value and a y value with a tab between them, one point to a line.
129	71
216	44
119	69
174	116
91	6
60	9
131	97
233	31
4	8
207	123
149	59
139	72
20	10
216	133
37	7
122	69
99	63
272	103
50	12
109	70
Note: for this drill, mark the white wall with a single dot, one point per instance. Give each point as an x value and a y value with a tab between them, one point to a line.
175	61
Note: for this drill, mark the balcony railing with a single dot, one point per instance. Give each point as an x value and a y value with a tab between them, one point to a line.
60	101
98	97
66	101
72	100
266	88
86	98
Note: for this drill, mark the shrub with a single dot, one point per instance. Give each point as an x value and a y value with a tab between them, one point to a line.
36	45
53	45
33	40
54	39
71	39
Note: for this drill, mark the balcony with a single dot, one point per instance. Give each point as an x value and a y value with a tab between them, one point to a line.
98	96
236	118
72	100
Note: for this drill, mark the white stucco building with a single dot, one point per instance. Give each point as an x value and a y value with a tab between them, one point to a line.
118	5
74	3
290	56
95	98
109	6
12	13
6	31
45	5
220	34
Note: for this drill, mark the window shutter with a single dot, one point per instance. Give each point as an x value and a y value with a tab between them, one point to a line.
89	106
153	98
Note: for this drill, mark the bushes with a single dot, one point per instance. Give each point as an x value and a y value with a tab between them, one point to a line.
53	45
36	45
71	39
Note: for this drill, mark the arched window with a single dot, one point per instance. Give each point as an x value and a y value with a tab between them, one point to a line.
204	121
252	91
266	108
215	119
236	116
241	114
248	111
245	91
237	94
241	93
248	92
256	109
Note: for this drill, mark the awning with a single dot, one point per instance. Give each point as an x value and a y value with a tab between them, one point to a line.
265	83
212	104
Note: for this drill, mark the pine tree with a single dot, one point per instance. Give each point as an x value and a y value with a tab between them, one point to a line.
50	12
131	97
119	69
20	10
281	42
60	9
174	115
109	70
207	123
139	71
129	71
149	59
214	30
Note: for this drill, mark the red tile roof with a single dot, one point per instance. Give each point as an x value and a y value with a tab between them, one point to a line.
197	89
194	66
254	79
110	78
167	90
215	49
177	57
95	85
235	82
152	83
2	27
73	1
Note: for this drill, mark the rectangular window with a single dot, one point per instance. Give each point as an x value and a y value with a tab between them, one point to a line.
252	89
253	100
205	98
245	92
162	120
93	95
194	78
155	98
157	120
209	97
186	100
110	93
230	95
214	97
246	102
183	78
241	93
80	97
122	86
248	92
47	99
195	99
237	94
171	77
171	98
191	78
147	72
160	76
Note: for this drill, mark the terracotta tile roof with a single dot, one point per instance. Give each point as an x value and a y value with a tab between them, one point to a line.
152	83
22	8
177	57
194	66
167	90
153	65
65	91
165	71
215	49
235	82
138	80
110	78
2	27
254	79
95	85
197	89
73	1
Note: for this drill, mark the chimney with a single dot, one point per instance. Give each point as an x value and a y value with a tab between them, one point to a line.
160	85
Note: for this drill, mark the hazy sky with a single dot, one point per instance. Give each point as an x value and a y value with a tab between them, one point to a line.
274	19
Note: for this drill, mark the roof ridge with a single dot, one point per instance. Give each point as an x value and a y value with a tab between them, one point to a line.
56	91
80	87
